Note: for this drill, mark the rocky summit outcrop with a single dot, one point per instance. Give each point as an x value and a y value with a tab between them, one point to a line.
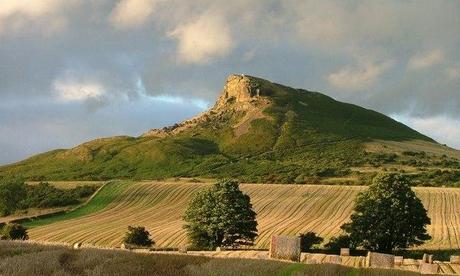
241	93
240	89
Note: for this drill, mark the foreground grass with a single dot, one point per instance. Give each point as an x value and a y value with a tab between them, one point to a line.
28	259
106	195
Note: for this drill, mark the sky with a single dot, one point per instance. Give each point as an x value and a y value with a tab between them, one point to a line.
75	70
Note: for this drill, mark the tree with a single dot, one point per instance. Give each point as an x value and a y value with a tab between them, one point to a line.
341	241
138	236
12	191
388	216
13	231
309	239
221	215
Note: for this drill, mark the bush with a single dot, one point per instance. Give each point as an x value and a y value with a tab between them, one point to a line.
138	236
308	240
12	190
300	179
16	194
13	231
45	195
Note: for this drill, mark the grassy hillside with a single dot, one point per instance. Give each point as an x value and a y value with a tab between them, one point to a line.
258	131
281	209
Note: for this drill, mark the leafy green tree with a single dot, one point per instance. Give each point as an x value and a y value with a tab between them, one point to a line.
341	241
12	191
221	215
388	216
308	240
14	231
138	236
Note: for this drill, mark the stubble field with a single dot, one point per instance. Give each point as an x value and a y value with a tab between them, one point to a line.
281	209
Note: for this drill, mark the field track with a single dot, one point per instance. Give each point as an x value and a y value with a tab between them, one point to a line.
281	209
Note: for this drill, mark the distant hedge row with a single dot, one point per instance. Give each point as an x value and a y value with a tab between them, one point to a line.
16	194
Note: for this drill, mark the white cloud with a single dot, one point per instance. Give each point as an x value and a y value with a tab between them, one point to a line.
199	103
25	11
425	60
132	13
69	91
27	8
209	37
358	78
441	128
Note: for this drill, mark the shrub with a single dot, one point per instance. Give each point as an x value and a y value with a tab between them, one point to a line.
300	179
12	190
45	195
221	216
308	240
138	236
13	231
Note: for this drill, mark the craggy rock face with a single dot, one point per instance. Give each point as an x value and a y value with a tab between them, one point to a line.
239	88
241	93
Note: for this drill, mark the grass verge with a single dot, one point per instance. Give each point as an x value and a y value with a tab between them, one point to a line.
103	198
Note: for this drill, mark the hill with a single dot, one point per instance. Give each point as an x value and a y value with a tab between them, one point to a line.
281	209
257	131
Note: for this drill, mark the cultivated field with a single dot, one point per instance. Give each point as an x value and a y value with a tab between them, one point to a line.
281	209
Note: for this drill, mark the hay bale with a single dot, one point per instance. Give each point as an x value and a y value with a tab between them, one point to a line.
430	259
344	251
285	248
182	249
445	268
409	262
455	259
318	258
304	257
309	258
77	245
426	268
348	260
399	260
379	260
455	267
218	249
332	259
414	268
427	259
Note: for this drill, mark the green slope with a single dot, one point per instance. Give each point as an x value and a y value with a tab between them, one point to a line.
296	133
101	200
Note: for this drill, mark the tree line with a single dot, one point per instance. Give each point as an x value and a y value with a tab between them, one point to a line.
16	194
